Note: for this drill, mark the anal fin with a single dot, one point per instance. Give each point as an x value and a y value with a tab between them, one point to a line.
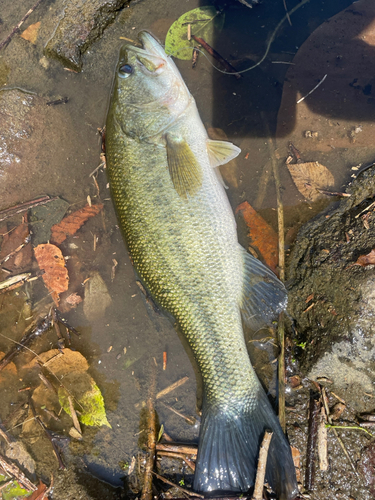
264	296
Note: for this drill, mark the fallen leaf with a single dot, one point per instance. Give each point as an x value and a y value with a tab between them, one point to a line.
310	177
15	245
206	22
261	235
90	402
366	260
297	461
40	493
71	223
55	277
73	299
31	33
59	363
17	451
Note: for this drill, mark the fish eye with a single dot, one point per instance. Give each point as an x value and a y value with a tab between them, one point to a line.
125	70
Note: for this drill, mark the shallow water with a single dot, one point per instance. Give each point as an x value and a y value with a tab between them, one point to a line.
63	149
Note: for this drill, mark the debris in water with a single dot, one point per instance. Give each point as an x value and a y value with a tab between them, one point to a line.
31	33
262	237
310	178
55	277
70	224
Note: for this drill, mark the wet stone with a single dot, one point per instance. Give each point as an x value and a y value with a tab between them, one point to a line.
335	327
81	23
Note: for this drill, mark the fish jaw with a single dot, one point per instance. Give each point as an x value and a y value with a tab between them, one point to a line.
149	93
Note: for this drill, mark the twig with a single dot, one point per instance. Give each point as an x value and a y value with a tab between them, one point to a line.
217	56
188	462
322	440
73	414
326	407
281	371
22	207
14	471
287	13
151	440
177	448
261	469
14	282
188	419
312	90
171	387
34	330
311	442
188	492
17	27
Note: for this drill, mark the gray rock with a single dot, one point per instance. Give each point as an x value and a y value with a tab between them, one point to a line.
81	23
336	333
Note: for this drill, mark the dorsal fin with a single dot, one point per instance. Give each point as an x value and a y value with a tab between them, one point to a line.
185	171
221	152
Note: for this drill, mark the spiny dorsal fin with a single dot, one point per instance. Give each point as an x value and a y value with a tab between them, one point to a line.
185	171
221	152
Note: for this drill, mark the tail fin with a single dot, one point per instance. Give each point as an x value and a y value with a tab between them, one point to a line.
229	445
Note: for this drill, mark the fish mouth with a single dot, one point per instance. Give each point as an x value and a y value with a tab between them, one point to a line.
150	46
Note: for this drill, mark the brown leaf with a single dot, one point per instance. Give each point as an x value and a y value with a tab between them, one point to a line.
73	299
51	261
40	493
261	235
366	260
15	250
31	33
310	177
70	224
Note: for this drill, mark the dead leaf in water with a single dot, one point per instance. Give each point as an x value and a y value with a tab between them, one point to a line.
261	235
31	33
309	177
366	260
55	277
71	223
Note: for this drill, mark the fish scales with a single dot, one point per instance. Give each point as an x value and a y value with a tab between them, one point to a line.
181	234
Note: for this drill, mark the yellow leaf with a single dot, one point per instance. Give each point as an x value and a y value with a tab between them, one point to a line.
31	33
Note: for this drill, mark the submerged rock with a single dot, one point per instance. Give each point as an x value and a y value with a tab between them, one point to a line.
81	23
332	298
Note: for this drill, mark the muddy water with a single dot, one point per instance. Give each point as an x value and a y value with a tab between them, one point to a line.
61	149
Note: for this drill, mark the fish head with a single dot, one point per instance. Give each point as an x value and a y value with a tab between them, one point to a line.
149	92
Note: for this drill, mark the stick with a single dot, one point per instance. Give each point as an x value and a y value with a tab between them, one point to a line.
14	471
188	492
326	407
311	442
177	448
151	440
311	91
322	440
171	387
188	419
287	13
22	207
17	27
261	469
188	462
281	371
14	282
217	56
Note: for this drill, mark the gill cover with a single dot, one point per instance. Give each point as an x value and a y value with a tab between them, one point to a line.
149	93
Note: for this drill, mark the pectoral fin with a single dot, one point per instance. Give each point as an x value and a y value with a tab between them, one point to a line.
221	152
185	171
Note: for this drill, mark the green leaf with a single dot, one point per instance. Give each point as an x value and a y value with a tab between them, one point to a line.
205	23
92	411
13	491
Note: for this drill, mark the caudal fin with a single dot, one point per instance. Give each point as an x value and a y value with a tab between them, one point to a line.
229	444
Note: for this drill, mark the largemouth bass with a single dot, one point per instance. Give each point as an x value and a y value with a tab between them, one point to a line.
181	233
